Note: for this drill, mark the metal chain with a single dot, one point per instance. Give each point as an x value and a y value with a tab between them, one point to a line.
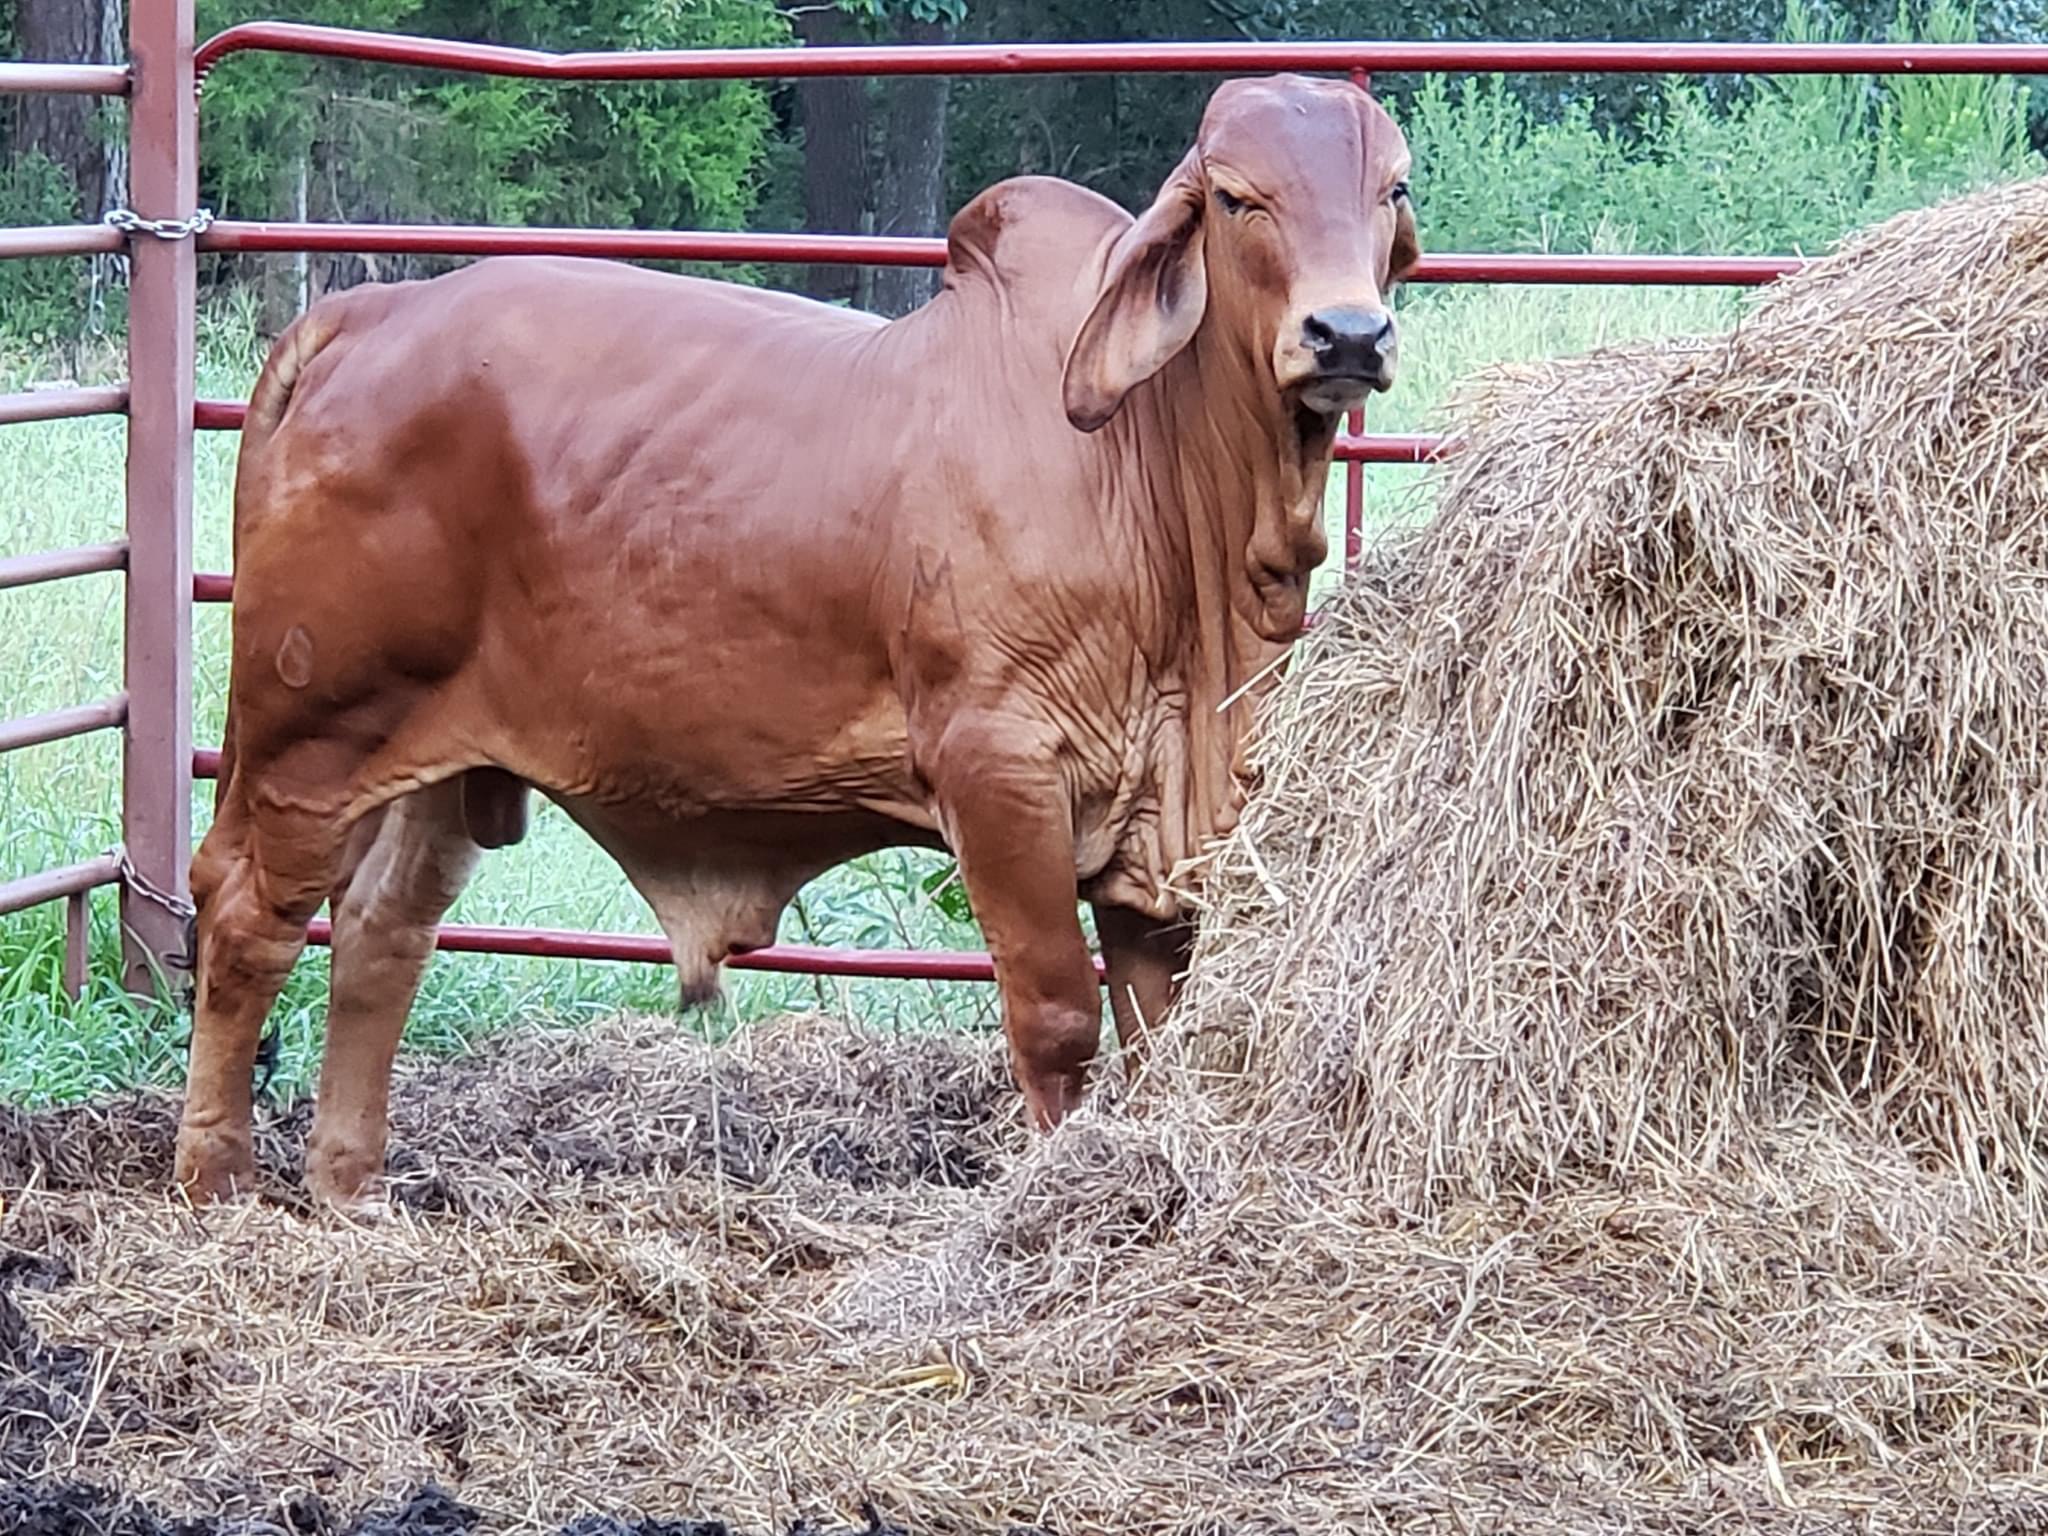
129	222
178	907
269	1045
149	890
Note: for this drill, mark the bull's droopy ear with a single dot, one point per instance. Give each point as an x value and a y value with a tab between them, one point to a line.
1407	248
1153	293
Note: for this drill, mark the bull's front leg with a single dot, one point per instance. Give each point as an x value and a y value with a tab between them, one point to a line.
1144	961
1005	810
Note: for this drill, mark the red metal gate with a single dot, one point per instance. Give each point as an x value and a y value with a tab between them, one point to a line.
167	229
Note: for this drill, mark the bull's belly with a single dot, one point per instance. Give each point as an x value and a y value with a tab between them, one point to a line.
628	720
718	799
718	882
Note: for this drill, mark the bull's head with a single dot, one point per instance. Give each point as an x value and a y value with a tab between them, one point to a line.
1285	227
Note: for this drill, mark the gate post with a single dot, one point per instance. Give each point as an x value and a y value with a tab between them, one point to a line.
156	778
1354	497
1354	423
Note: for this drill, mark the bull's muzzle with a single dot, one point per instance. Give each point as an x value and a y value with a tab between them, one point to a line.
1346	351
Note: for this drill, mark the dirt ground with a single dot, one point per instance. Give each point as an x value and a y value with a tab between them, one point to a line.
80	1509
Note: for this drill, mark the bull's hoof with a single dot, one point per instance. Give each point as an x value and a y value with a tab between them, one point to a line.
367	1207
347	1180
700	987
1051	1096
214	1164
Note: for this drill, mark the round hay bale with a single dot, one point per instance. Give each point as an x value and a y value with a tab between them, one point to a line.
1688	771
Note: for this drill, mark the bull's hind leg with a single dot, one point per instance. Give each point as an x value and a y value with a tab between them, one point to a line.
257	881
1144	959
416	864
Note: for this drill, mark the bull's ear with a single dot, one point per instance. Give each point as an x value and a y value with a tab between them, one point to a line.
1153	293
1407	247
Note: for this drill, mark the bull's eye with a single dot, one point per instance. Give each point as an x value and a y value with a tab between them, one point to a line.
1230	202
1399	193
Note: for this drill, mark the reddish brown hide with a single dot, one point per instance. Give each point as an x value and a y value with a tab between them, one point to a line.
750	586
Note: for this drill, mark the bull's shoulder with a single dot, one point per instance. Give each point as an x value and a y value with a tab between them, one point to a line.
1030	227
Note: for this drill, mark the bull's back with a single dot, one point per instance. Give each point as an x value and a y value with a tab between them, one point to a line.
619	524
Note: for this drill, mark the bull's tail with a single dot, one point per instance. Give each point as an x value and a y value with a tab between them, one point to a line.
301	342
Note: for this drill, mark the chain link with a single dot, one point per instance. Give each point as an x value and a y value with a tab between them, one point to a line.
187	916
129	222
150	891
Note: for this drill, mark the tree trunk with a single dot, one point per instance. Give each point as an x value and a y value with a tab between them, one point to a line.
65	128
834	113
913	172
109	268
113	148
302	263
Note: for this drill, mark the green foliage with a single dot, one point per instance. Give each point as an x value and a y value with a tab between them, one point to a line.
948	892
1786	165
53	1051
396	144
1943	131
261	114
952	12
39	300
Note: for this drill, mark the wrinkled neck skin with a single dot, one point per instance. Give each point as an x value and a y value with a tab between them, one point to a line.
1217	483
1242	533
1244	527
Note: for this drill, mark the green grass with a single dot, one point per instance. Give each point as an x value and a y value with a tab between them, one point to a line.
60	484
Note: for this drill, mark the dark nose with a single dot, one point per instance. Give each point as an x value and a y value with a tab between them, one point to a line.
1350	343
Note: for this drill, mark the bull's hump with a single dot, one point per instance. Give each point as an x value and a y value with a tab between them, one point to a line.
1030	228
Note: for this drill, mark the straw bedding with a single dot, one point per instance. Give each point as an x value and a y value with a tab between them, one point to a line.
1608	1096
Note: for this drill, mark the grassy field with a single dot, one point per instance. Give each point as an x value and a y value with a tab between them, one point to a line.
60	484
